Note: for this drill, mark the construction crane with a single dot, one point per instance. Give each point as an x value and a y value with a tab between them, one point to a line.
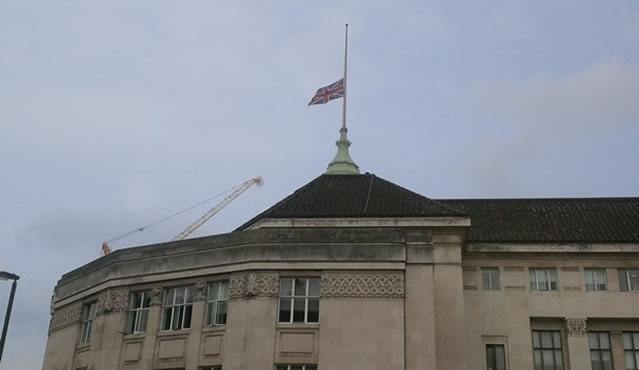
218	207
106	249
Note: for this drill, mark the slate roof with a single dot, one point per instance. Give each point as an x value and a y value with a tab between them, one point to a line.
343	196
551	220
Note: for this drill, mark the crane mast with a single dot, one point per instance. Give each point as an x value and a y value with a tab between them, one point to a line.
218	207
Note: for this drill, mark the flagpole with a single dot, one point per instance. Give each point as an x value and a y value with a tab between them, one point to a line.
345	59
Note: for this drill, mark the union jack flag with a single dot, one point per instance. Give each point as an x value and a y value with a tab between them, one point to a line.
328	93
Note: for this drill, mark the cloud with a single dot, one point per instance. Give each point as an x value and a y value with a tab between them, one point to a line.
598	99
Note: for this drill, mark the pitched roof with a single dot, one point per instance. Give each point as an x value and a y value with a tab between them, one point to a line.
362	196
555	220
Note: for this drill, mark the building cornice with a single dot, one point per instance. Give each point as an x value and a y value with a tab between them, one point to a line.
361	222
552	248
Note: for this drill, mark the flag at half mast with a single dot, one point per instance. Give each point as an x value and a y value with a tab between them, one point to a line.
328	93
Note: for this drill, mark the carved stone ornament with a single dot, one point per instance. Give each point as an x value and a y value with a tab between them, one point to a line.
363	285
156	296
65	316
113	300
200	291
576	327
254	285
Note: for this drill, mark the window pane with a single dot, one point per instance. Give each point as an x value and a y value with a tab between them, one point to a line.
491	363
313	310
298	310
538	362
636	340
187	317
547	356
627	340
606	361
633	276
556	339
214	291
137	300
211	313
311	367
300	287
500	356
536	343
533	279
142	318
593	340
190	293
169	295
281	367
542	281
221	313
559	363
179	295
546	339
224	290
146	302
314	287
623	280
603	341
286	287
590	279
602	280
630	360
594	360
285	309
296	367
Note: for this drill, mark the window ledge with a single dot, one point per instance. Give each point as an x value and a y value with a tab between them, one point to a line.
174	333
213	328
134	336
297	325
83	346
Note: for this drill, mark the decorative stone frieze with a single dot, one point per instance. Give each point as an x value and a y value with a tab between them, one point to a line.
200	291
65	316
113	300
362	285
156	296
576	327
254	284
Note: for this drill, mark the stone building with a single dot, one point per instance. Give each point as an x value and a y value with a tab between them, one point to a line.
351	272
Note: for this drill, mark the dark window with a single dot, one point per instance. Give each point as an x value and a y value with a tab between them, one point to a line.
543	279
595	280
631	350
138	314
600	356
217	303
547	350
490	278
177	308
211	368
299	300
88	317
628	279
495	357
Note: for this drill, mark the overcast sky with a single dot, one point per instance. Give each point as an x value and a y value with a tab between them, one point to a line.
114	114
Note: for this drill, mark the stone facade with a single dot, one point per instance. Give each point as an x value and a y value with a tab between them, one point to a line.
398	298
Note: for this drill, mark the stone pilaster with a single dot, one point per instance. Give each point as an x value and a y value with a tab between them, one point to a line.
577	339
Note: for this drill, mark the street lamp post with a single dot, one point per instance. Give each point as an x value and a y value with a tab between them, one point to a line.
8	276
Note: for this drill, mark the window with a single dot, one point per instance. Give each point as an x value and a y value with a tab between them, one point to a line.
595	280
216	303
177	309
628	279
295	367
88	316
138	312
547	350
600	356
631	350
211	368
299	300
490	278
543	279
495	357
